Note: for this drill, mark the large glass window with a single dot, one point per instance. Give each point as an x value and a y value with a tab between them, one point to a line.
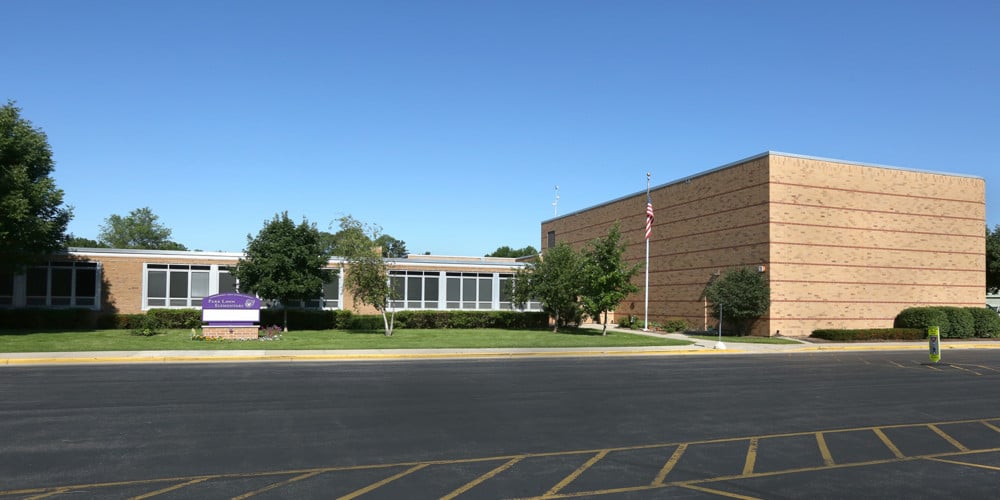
227	282
329	300
60	284
415	289
469	290
176	285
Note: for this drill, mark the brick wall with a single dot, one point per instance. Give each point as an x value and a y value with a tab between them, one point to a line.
844	245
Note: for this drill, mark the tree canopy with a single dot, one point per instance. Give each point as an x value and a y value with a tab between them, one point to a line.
367	271
744	296
993	259
33	219
607	278
506	251
139	229
555	281
284	262
338	243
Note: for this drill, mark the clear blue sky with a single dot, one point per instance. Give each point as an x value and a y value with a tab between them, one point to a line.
449	123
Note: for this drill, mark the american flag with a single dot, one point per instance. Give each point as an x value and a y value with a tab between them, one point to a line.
649	216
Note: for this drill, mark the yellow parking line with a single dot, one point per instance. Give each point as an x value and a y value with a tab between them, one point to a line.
277	485
954	442
479	480
669	466
575	474
383	482
991	426
824	450
751	456
965	369
170	488
717	492
967	464
888	443
55	492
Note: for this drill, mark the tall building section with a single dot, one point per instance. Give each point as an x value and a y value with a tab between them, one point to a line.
844	245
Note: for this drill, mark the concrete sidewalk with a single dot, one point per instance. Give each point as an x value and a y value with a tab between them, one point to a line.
697	347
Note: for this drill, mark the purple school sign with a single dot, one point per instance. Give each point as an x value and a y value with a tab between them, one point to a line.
230	309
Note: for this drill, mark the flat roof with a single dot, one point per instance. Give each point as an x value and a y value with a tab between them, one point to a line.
751	158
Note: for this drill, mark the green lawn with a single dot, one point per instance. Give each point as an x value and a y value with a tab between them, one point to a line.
122	340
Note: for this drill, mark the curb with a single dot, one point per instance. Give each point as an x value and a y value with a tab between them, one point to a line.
291	357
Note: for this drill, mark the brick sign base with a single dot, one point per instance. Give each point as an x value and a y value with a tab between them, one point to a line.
230	332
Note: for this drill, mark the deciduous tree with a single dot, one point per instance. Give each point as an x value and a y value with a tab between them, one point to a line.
607	278
367	274
506	251
284	262
744	296
139	229
993	259
33	218
555	281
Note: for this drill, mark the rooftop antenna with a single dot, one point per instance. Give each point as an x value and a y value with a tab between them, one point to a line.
555	203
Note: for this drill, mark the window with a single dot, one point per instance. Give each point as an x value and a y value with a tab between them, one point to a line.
58	284
6	288
176	285
227	282
507	284
469	291
415	289
329	300
551	238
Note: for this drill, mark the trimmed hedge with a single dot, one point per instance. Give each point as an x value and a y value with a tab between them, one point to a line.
298	319
47	319
175	318
954	322
986	322
962	324
306	319
871	334
922	317
457	319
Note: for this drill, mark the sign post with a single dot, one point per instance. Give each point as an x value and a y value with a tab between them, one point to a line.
934	343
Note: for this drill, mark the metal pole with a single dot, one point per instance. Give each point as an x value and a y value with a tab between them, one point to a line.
720	345
645	308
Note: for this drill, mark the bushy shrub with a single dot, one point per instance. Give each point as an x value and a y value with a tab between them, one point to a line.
627	321
149	325
922	317
176	318
961	323
675	325
871	334
986	322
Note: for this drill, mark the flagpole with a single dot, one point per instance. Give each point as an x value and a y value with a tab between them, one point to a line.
645	308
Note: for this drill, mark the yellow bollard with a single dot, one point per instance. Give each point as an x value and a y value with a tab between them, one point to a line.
934	343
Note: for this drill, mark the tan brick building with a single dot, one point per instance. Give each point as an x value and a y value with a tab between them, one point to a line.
133	281
844	245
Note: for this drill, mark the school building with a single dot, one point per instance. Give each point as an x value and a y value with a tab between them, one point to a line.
843	244
134	281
